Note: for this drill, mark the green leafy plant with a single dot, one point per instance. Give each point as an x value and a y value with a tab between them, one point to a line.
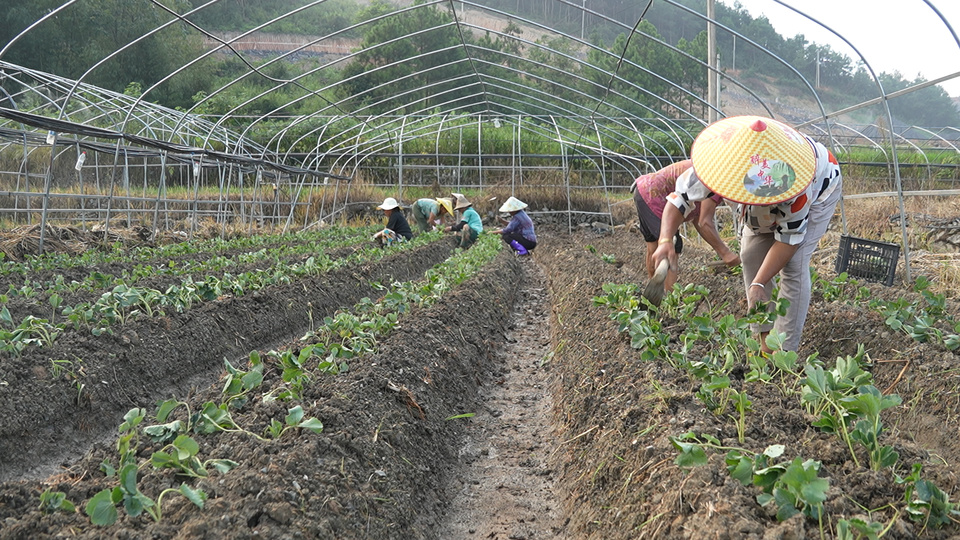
793	486
868	429
925	502
743	405
798	489
102	508
240	383
849	405
181	455
294	419
857	529
55	501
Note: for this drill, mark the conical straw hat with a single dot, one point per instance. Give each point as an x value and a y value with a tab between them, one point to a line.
447	204
462	203
753	160
512	205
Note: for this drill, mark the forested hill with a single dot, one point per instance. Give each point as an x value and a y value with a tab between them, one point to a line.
846	84
140	57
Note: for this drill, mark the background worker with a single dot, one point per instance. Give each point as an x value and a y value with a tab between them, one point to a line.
397	229
470	225
427	212
518	233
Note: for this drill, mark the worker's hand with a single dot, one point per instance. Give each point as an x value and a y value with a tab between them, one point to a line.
756	294
666	251
731	260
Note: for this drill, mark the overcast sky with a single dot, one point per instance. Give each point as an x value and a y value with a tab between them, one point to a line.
891	35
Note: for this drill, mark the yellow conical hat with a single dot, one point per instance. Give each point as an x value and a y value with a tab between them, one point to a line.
753	160
447	204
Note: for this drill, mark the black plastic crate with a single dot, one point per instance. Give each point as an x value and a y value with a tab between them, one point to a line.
868	259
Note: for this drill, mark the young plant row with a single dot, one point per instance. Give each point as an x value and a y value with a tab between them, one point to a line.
175	450
117	253
842	399
214	265
925	320
350	334
124	303
340	338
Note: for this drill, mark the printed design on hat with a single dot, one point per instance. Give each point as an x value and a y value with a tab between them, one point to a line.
753	160
769	177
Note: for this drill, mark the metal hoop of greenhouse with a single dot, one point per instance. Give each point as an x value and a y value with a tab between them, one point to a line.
292	114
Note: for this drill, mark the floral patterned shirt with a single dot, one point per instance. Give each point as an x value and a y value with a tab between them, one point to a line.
787	220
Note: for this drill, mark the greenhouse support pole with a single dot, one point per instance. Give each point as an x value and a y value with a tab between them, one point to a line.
126	186
459	157
603	171
276	201
520	148
513	163
566	174
83	199
243	202
480	150
224	174
293	203
712	90
160	187
437	148
113	185
333	204
403	126
24	164
46	193
255	201
143	205
896	175
197	172
306	211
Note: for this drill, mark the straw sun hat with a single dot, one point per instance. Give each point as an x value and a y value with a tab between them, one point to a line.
753	160
512	205
462	203
388	204
446	203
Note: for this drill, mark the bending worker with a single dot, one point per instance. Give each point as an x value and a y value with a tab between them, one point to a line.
428	211
650	197
787	186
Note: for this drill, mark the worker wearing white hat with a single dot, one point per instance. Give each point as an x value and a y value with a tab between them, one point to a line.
397	229
519	233
787	186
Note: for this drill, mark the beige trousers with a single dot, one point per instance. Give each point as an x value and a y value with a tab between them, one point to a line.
795	283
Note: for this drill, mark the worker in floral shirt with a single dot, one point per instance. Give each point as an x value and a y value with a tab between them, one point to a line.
787	186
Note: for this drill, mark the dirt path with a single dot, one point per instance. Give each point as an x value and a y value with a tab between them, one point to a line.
505	490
